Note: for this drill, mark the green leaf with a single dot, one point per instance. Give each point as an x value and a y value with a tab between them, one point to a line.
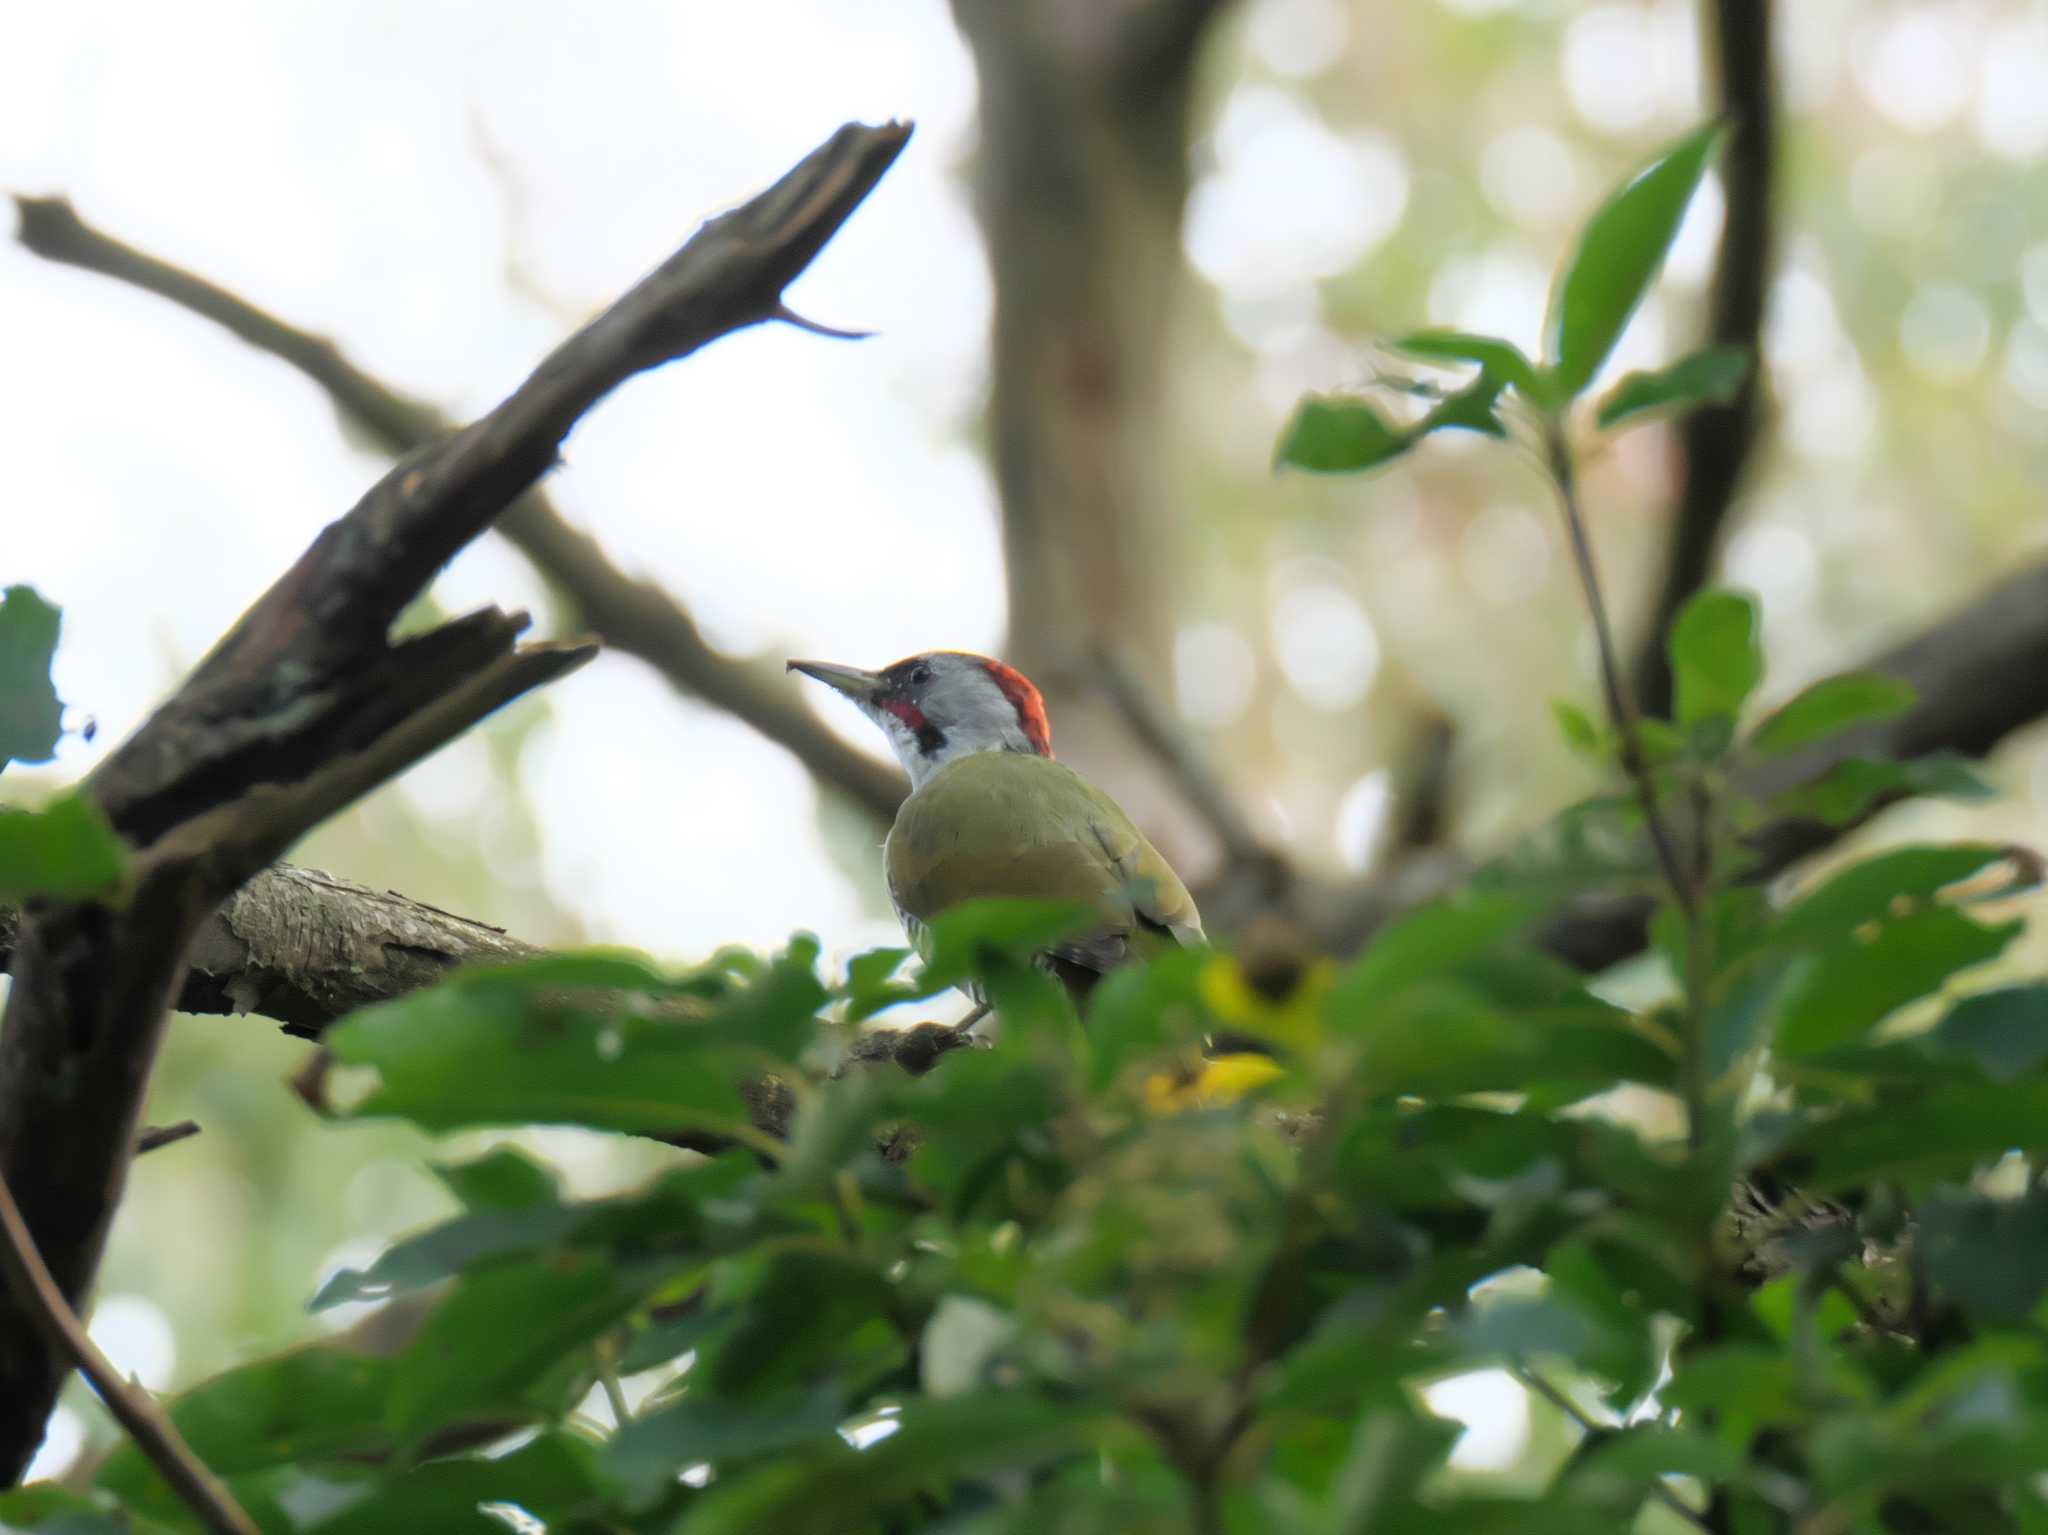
31	717
488	1341
1617	1473
1887	885
509	1045
69	851
500	1179
1502	359
50	1509
1711	375
1852	789
645	1456
1471	409
1333	434
964	941
1988	1255
809	1315
1716	660
1829	707
308	1404
1578	728
1945	1132
1852	988
696	1212
1618	256
839	1489
2005	1032
1434	941
551	1479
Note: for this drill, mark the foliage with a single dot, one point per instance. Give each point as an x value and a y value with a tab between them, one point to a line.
1084	1280
31	717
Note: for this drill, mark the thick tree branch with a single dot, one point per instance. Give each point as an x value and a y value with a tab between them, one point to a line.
305	948
1082	179
302	706
626	613
1715	441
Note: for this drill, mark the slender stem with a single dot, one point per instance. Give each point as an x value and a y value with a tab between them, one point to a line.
156	1436
1533	1381
1621	707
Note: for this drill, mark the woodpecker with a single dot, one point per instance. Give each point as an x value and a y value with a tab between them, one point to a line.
990	813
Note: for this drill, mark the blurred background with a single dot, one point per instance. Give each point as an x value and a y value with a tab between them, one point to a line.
1197	211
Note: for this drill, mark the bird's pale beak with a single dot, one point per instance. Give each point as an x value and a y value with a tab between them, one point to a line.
850	680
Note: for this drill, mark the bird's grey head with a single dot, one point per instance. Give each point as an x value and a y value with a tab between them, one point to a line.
941	705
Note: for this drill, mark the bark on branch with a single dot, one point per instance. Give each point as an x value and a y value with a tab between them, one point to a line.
304	705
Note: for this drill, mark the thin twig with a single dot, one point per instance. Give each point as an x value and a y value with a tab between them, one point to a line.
154	1434
1170	745
1532	1379
155	1137
1621	707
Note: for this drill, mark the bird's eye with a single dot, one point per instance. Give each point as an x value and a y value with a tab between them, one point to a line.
920	674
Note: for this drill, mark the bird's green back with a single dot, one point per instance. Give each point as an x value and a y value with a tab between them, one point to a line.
1027	827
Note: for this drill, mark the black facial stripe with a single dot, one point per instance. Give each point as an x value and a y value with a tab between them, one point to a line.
930	739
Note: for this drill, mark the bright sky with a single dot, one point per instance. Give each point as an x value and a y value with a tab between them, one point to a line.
444	190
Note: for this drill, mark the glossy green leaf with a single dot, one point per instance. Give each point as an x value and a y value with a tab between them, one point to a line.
1887	885
964	941
501	1179
1830	706
2004	1032
1852	789
1581	733
1430	942
31	717
810	1314
1852	988
67	850
839	1489
50	1509
694	1212
1710	376
1502	359
495	1047
1944	1132
550	1479
1335	434
308	1404
486	1343
1470	409
1618	257
1716	659
1990	1256
646	1455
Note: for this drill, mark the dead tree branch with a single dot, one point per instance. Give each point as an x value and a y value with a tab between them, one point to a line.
629	615
1715	442
305	704
305	948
